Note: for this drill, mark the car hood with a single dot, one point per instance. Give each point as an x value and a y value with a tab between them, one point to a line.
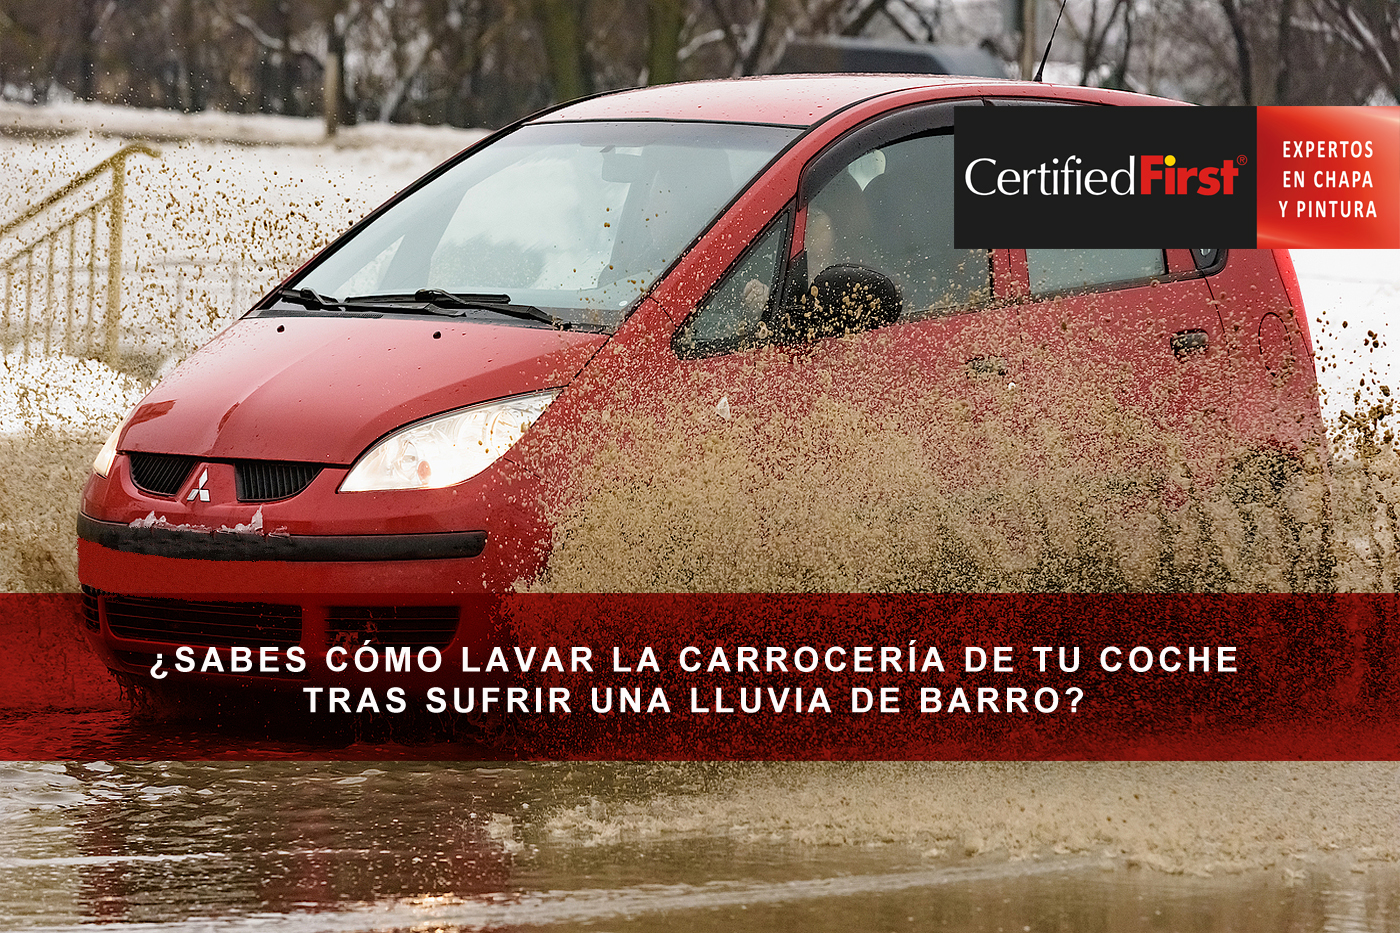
322	390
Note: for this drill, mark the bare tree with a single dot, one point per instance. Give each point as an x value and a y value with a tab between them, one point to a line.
562	27
665	19
1243	56
485	62
1283	77
1099	36
1323	51
279	41
741	28
1371	28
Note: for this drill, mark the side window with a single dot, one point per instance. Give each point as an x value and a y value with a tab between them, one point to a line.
911	210
731	317
1058	270
891	209
838	227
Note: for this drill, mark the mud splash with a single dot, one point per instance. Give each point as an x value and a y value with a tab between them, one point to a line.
1044	474
1094	499
885	528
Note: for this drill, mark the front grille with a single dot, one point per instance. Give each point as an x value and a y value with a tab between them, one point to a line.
395	626
160	474
198	623
267	480
91	621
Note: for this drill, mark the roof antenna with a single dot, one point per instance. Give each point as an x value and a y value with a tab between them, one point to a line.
1046	57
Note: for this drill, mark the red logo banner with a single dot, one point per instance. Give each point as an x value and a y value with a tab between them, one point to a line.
1329	177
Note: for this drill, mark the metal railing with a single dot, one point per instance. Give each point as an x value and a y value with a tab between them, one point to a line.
176	302
62	269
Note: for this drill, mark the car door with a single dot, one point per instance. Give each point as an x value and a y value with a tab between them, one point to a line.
1141	332
879	201
899	434
1010	387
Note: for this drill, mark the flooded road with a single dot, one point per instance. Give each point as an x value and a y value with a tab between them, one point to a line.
304	846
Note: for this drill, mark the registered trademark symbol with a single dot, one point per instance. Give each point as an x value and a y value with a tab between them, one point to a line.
1242	159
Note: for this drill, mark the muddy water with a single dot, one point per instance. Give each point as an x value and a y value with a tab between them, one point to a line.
305	847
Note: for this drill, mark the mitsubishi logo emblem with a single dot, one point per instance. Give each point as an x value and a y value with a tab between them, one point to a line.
199	490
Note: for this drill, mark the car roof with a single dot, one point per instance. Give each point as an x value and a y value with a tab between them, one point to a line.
803	100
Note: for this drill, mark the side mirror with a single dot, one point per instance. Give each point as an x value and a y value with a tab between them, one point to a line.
845	299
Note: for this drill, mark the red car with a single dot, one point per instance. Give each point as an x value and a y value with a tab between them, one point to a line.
373	446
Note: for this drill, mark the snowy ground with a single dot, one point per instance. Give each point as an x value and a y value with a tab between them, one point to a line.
231	205
63	394
1352	292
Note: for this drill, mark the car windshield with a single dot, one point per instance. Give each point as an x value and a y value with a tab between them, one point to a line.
577	219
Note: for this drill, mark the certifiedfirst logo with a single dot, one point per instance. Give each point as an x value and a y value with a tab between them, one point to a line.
1159	175
1101	177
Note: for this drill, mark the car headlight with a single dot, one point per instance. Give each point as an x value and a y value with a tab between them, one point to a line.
448	449
102	463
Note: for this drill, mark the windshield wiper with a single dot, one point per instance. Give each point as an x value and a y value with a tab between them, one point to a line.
477	301
432	300
310	298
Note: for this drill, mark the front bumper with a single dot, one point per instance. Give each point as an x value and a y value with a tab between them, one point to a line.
140	608
313	572
227	545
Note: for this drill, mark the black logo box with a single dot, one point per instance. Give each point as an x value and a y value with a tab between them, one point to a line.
1105	138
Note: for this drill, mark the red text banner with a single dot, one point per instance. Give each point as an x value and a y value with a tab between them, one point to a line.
991	677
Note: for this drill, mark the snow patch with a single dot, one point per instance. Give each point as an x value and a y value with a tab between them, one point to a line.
63	394
151	521
254	525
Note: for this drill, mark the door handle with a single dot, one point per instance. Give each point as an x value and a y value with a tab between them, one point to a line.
1186	342
980	367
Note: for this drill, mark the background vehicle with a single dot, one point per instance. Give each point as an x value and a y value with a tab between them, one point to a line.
387	440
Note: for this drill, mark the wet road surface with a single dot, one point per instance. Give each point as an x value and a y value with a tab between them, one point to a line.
345	846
